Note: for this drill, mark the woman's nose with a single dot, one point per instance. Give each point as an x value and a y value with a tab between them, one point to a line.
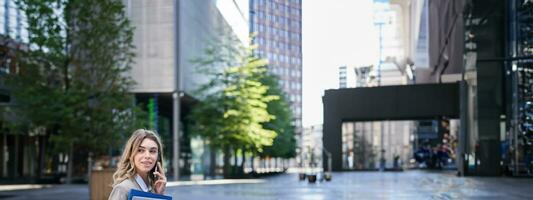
147	154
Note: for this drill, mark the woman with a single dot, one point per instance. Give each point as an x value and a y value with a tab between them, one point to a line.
140	166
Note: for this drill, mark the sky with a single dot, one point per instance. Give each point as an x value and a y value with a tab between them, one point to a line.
334	33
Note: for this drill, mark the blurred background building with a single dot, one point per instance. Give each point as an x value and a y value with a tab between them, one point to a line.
484	46
364	142
278	28
17	157
168	36
485	49
311	155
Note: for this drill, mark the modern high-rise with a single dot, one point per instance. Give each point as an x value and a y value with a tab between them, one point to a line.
356	76
278	28
12	33
342	77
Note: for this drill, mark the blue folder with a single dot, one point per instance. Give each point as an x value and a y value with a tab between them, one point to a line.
140	195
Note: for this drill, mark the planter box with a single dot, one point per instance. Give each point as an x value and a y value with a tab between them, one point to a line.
100	184
311	178
301	176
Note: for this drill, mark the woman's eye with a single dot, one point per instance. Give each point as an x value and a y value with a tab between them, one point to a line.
153	151
140	150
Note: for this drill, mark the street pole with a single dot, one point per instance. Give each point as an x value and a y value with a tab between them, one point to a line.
176	94
382	155
380	25
176	134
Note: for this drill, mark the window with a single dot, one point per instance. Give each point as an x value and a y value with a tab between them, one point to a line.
2	17
298	111
12	22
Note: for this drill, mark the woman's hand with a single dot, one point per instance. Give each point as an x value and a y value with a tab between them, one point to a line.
161	183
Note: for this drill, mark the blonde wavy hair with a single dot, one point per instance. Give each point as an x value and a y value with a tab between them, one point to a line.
126	166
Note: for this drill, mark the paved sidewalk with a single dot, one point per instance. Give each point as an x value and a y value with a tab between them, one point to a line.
45	192
367	185
23	187
81	191
413	184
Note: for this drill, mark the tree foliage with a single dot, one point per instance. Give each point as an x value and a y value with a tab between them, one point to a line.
72	78
233	105
284	145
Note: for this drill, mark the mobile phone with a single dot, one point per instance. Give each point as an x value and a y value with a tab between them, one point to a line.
155	169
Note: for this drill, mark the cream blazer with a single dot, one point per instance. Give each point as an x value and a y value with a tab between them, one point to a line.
120	191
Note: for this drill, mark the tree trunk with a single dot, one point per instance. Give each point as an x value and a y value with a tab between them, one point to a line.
242	161
235	162
2	162
252	162
227	166
213	162
70	163
42	147
17	157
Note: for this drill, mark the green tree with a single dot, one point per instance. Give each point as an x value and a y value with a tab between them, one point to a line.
234	101
72	77
284	145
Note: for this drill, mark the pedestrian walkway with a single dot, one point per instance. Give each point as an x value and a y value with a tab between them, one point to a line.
415	184
45	192
81	191
22	187
367	185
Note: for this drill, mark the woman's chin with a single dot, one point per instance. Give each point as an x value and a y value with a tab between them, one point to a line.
143	170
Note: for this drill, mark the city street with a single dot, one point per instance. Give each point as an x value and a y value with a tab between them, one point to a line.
345	185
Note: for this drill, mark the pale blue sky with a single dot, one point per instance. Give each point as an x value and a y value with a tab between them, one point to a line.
334	33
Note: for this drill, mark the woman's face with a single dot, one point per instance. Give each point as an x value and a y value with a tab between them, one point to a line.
146	156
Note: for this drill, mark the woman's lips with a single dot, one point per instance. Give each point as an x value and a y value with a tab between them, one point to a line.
147	164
